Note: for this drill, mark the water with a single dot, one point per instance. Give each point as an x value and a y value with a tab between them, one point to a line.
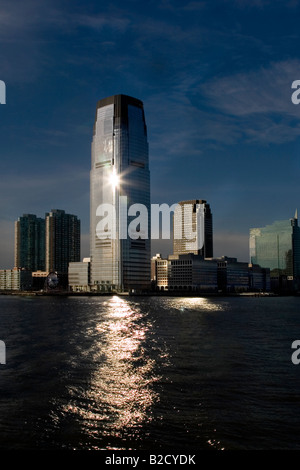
149	373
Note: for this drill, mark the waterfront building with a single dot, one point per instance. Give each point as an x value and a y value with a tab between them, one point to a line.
192	272
277	247
120	179
39	280
188	272
30	242
259	278
193	228
15	279
233	276
79	276
159	272
62	240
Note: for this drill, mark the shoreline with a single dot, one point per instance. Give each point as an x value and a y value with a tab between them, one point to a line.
146	294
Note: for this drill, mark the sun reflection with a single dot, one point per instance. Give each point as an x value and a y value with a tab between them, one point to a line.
215	444
114	178
120	394
119	307
197	303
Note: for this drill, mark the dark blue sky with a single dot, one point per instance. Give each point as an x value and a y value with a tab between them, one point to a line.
215	78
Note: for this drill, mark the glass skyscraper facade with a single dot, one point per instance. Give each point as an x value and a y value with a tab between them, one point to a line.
277	246
193	228
30	243
119	182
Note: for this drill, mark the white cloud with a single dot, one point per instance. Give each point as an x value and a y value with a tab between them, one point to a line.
261	91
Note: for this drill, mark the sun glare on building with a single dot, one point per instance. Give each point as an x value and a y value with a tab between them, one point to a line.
114	179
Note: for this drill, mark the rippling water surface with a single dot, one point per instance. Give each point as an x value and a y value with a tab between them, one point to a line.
149	373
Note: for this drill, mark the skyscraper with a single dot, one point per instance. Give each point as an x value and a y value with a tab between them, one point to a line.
62	240
120	184
30	242
277	246
193	228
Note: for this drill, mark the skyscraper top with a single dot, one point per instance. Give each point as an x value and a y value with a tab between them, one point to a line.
114	99
194	228
120	103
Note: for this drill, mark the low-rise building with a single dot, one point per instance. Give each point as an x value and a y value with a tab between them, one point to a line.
192	272
39	280
15	279
189	272
259	278
159	272
233	275
79	276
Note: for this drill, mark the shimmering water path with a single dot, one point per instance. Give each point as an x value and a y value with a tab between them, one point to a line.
149	373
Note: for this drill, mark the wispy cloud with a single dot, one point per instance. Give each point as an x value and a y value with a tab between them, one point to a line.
263	3
189	6
194	6
265	90
258	102
97	22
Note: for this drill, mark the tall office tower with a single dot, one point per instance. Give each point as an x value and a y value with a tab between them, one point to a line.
193	228
277	246
30	242
120	195
62	240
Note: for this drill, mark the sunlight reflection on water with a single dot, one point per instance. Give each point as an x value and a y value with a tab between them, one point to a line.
149	373
200	304
120	394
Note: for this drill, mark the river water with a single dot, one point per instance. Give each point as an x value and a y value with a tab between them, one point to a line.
144	373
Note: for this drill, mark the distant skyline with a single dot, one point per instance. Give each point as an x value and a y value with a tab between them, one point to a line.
215	78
